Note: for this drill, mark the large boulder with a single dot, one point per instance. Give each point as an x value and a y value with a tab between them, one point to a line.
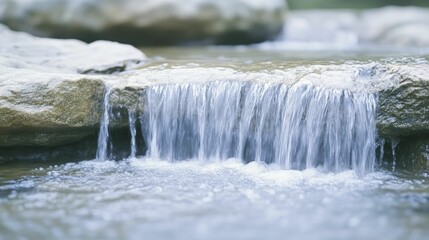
45	99
154	22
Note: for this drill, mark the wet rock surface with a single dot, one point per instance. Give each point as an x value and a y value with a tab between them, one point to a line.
413	154
404	108
150	22
45	99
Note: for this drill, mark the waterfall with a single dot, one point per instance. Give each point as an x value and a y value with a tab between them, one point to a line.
103	137
133	131
394	144
297	127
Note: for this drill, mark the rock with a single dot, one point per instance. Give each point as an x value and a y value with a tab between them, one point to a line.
153	22
404	106
388	26
85	148
413	154
23	51
47	109
45	100
322	26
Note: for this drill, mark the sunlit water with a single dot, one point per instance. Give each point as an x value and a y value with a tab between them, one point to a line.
153	199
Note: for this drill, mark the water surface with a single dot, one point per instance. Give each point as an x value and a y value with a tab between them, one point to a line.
148	198
153	199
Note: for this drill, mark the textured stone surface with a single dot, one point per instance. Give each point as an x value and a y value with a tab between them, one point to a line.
51	110
404	107
155	22
45	99
410	153
413	154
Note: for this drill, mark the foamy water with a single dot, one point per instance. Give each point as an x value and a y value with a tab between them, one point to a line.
154	199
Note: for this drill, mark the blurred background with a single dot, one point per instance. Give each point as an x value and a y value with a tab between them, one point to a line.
277	23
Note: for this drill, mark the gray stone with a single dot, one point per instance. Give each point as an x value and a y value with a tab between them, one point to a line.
155	22
45	99
47	109
411	154
404	106
23	51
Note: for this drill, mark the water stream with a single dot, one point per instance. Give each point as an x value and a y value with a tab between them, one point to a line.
103	139
225	160
296	127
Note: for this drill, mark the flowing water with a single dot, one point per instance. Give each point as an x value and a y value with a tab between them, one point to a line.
154	199
297	126
227	160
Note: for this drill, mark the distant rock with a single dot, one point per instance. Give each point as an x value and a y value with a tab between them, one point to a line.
323	26
399	26
148	22
23	51
387	27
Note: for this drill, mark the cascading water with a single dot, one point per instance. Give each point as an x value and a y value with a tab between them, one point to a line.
132	122
103	137
298	127
394	144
